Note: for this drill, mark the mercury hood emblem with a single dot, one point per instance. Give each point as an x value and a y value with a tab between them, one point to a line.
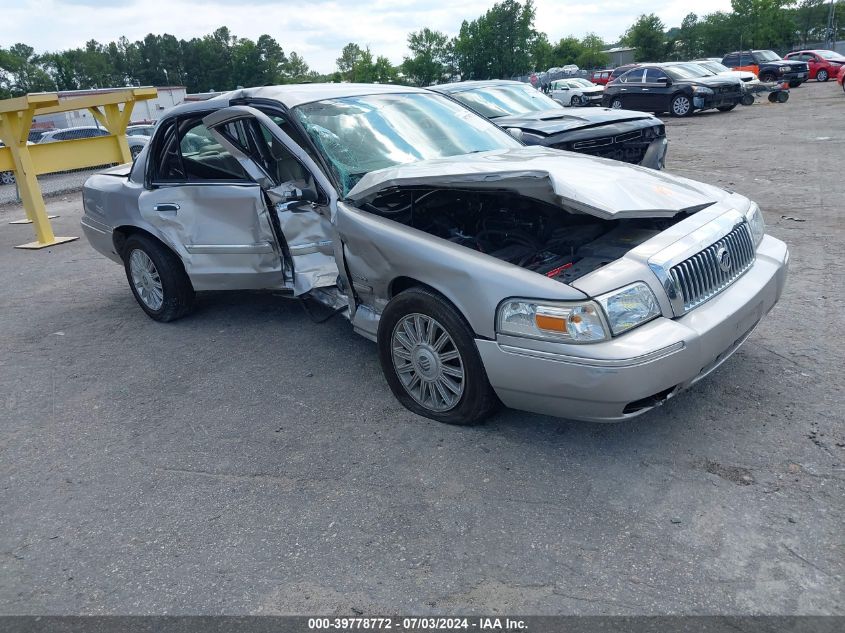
723	256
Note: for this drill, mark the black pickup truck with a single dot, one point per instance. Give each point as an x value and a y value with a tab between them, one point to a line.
768	66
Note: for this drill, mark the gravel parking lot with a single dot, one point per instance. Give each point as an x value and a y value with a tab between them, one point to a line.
248	460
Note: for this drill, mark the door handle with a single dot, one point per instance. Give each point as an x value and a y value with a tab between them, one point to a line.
166	207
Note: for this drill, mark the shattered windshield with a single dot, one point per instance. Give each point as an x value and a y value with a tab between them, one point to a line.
766	56
357	135
507	99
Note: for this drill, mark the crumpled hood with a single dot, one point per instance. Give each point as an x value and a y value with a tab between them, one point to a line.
600	187
558	120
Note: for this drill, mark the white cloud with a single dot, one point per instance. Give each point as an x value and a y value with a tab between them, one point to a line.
317	30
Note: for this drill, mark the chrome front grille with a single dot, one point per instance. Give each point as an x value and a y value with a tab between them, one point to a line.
713	269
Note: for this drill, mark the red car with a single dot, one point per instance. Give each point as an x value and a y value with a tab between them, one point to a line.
600	77
823	64
840	79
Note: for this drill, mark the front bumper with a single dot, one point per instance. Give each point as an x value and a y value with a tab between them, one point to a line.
655	155
706	102
639	370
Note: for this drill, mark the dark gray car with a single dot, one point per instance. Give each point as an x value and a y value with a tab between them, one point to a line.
534	118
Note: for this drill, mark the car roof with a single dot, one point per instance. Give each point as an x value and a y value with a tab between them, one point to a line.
463	86
73	129
292	95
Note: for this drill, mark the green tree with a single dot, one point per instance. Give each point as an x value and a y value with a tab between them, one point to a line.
21	72
542	52
567	51
429	59
498	43
592	52
646	35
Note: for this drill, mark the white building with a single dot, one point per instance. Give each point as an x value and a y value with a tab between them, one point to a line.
147	111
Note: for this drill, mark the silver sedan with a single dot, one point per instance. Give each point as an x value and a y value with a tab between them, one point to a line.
487	272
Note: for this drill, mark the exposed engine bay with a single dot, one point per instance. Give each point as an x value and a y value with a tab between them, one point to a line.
525	232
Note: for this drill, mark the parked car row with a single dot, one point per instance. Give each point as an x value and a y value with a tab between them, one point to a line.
488	271
137	137
679	88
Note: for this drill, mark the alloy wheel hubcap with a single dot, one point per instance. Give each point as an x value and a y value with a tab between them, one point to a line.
616	105
427	362
680	105
146	279
822	75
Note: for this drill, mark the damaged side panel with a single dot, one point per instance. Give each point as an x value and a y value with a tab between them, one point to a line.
381	254
309	240
222	234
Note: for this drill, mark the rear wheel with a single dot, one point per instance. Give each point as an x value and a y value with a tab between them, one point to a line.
7	178
430	361
681	106
726	108
616	103
157	279
822	75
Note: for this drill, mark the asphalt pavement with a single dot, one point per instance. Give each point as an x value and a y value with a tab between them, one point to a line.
247	460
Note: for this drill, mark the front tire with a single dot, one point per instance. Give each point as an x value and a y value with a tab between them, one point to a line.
767	77
681	106
157	279
616	103
430	361
822	75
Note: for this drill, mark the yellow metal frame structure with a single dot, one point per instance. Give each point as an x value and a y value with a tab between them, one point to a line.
29	161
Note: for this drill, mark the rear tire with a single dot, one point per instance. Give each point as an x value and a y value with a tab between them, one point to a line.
616	103
822	75
157	279
429	359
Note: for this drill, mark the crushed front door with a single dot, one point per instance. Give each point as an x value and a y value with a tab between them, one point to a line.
284	170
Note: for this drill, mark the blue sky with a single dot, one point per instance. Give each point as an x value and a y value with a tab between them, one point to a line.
317	29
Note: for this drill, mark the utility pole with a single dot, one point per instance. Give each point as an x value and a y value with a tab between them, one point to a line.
830	35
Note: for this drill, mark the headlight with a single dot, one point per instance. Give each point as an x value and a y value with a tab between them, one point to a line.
551	321
756	224
782	69
702	90
629	307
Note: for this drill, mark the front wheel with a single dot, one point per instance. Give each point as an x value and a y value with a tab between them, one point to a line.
616	103
134	151
726	108
575	101
157	279
430	361
681	106
7	178
822	76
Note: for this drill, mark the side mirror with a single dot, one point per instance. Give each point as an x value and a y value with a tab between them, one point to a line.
515	132
664	80
301	195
